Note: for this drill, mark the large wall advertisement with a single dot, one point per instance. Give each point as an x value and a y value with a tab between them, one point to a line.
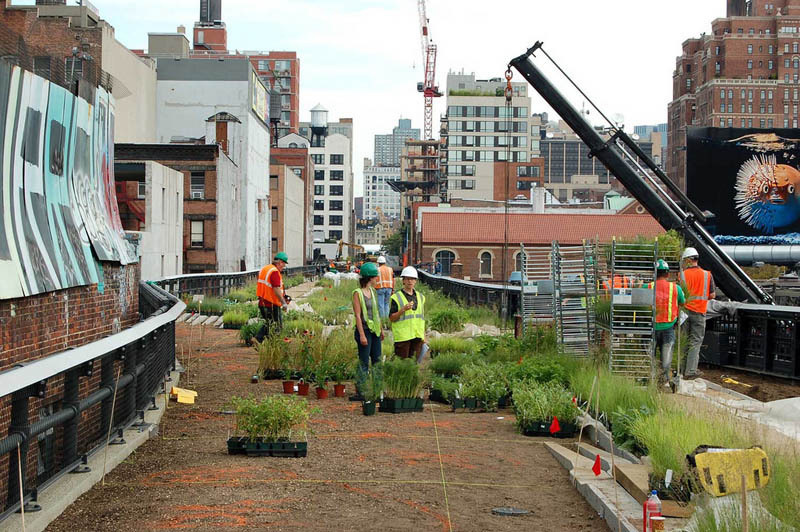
260	103
58	207
748	178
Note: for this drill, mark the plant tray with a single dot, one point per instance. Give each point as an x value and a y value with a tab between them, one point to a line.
243	445
401	406
231	326
437	397
542	429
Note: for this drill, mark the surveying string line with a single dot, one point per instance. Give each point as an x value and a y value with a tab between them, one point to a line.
441	468
321	481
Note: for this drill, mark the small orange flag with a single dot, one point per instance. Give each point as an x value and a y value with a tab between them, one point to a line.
554	426
597	467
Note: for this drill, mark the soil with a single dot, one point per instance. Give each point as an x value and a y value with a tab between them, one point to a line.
761	387
433	470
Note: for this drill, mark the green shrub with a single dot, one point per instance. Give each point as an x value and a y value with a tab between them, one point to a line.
617	392
485	382
298	327
446	320
447	387
273	418
294	280
536	402
245	308
450	363
401	379
248	331
270	354
234	318
209	306
451	344
371	384
544	368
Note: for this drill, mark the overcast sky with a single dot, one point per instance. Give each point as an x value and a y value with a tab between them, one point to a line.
362	58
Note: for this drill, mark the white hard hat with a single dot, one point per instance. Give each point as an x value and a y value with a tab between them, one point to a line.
381	260
690	253
409	271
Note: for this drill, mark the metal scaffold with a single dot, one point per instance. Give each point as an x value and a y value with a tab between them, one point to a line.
632	308
537	286
574	271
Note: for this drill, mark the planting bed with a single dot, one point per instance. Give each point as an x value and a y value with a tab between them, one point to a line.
381	472
762	387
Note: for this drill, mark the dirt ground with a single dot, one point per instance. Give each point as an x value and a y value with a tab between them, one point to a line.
433	470
760	387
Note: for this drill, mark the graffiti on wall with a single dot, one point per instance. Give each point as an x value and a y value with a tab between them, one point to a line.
58	207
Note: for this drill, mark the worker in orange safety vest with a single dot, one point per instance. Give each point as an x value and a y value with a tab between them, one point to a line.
668	296
700	287
272	297
385	286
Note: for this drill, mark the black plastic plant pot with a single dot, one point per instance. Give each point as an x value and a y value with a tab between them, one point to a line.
679	491
368	407
470	403
541	429
285	449
437	397
418	404
457	403
236	444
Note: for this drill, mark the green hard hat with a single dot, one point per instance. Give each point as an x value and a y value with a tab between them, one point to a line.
662	265
281	255
369	269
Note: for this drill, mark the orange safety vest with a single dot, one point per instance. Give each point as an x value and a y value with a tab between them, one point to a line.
264	290
620	281
666	301
385	277
698	284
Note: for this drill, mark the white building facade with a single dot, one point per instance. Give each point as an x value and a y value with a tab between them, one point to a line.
379	197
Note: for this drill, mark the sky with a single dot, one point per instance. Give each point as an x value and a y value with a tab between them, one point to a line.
362	58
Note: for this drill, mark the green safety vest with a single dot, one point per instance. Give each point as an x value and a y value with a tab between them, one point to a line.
373	323
412	323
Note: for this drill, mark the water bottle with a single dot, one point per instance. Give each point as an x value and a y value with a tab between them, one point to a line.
651	508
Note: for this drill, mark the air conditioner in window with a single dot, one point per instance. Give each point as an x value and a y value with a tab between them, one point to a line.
197	195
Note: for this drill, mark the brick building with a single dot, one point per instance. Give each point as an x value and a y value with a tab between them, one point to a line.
518	178
744	74
212	235
474	241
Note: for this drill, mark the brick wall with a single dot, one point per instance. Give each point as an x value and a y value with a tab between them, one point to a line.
469	257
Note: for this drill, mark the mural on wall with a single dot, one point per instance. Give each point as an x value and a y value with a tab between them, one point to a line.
57	203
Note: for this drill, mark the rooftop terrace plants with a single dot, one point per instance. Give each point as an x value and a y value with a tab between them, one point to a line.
485	382
276	425
234	319
450	363
536	404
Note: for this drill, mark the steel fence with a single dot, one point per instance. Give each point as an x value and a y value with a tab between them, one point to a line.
505	298
78	387
219	284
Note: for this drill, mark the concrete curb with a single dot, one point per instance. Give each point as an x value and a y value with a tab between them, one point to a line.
595	432
58	496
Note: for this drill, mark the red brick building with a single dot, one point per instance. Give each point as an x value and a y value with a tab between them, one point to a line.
517	178
475	239
744	74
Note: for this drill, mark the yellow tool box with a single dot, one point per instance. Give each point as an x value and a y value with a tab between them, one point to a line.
720	470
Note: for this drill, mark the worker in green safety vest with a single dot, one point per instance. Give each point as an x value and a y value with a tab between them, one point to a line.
368	332
407	315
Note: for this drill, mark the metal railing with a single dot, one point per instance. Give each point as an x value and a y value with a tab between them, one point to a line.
504	298
133	363
219	284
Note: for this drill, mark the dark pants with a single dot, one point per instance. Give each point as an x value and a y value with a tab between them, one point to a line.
665	340
366	354
273	322
409	348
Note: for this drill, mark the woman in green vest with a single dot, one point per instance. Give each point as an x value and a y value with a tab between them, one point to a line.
368	332
407	314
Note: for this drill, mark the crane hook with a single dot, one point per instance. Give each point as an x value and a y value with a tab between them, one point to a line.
509	91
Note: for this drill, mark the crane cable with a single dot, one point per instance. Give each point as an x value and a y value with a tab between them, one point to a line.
508	94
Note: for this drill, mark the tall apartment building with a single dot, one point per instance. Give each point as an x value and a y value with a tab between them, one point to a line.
744	74
388	148
482	130
331	150
379	196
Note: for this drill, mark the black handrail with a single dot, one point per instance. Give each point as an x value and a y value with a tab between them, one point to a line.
219	284
505	298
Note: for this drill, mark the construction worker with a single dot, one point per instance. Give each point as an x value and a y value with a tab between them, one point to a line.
668	296
368	332
385	286
407	314
700	289
271	296
620	281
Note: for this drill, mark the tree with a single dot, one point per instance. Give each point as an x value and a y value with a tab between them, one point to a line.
394	243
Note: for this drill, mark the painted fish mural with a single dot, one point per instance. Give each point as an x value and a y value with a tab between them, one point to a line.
767	193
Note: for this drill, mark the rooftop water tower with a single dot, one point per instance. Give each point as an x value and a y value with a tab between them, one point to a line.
319	125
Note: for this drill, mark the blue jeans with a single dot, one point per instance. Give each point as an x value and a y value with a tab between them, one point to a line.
384	295
366	354
666	341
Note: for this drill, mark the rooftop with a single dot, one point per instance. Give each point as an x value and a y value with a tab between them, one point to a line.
482	227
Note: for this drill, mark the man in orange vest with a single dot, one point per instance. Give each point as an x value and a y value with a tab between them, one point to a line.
700	288
385	286
271	296
620	281
668	296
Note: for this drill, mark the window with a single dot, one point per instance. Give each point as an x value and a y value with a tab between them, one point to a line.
335	205
749	64
263	65
518	261
274	214
319	205
335	220
749	48
486	264
770	65
197	234
319	190
337	158
319	220
524	185
318	158
283	65
446	259
319	175
73	68
337	190
197	186
337	175
142	189
794	48
273	182
335	235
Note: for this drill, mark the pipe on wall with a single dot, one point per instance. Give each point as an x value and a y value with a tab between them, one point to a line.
746	255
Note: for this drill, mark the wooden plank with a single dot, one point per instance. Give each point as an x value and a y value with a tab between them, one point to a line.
633	477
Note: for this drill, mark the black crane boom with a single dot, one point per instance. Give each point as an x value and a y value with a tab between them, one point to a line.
733	281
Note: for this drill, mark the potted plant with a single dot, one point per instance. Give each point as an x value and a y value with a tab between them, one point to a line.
287	370
544	409
271	352
371	391
272	426
402	383
321	374
306	366
339	372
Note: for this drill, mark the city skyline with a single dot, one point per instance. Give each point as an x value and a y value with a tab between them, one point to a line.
371	74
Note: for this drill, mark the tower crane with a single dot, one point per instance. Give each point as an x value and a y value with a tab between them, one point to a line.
428	88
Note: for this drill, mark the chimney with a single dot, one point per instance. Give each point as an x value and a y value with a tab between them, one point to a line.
182	29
